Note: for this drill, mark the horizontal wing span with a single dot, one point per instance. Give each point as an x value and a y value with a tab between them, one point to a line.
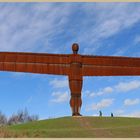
34	63
110	66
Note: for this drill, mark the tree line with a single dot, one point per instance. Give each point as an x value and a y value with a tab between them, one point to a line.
21	116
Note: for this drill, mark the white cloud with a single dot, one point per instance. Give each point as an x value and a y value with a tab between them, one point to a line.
29	100
59	83
119	112
120	87
89	93
111	19
106	90
60	97
137	40
129	102
22	26
135	114
102	104
127	86
132	114
18	74
95	115
122	113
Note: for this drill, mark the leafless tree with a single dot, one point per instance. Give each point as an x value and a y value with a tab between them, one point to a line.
3	119
22	116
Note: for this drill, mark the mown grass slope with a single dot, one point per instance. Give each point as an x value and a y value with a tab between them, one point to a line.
71	127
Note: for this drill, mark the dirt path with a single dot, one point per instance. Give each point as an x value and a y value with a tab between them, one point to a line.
83	122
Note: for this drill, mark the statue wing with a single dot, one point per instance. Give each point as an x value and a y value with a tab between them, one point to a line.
34	62
110	66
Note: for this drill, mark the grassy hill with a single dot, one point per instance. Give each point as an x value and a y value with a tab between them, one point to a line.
85	127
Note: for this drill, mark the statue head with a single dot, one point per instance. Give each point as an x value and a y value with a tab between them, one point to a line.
75	48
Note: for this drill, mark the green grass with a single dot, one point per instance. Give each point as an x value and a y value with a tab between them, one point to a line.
69	127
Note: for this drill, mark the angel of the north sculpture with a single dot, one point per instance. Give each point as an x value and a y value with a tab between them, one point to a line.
75	66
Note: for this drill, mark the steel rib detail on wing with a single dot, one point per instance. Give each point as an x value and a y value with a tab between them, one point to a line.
34	63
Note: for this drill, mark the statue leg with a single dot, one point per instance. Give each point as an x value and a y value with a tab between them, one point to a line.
75	101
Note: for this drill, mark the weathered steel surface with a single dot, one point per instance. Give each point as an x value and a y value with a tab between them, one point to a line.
34	63
110	71
111	61
110	66
75	82
75	66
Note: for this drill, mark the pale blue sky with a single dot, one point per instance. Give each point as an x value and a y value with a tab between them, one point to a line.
99	28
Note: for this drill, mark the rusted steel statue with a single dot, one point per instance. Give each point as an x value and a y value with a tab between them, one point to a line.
75	66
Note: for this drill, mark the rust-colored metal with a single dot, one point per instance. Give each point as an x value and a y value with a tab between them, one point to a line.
75	66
